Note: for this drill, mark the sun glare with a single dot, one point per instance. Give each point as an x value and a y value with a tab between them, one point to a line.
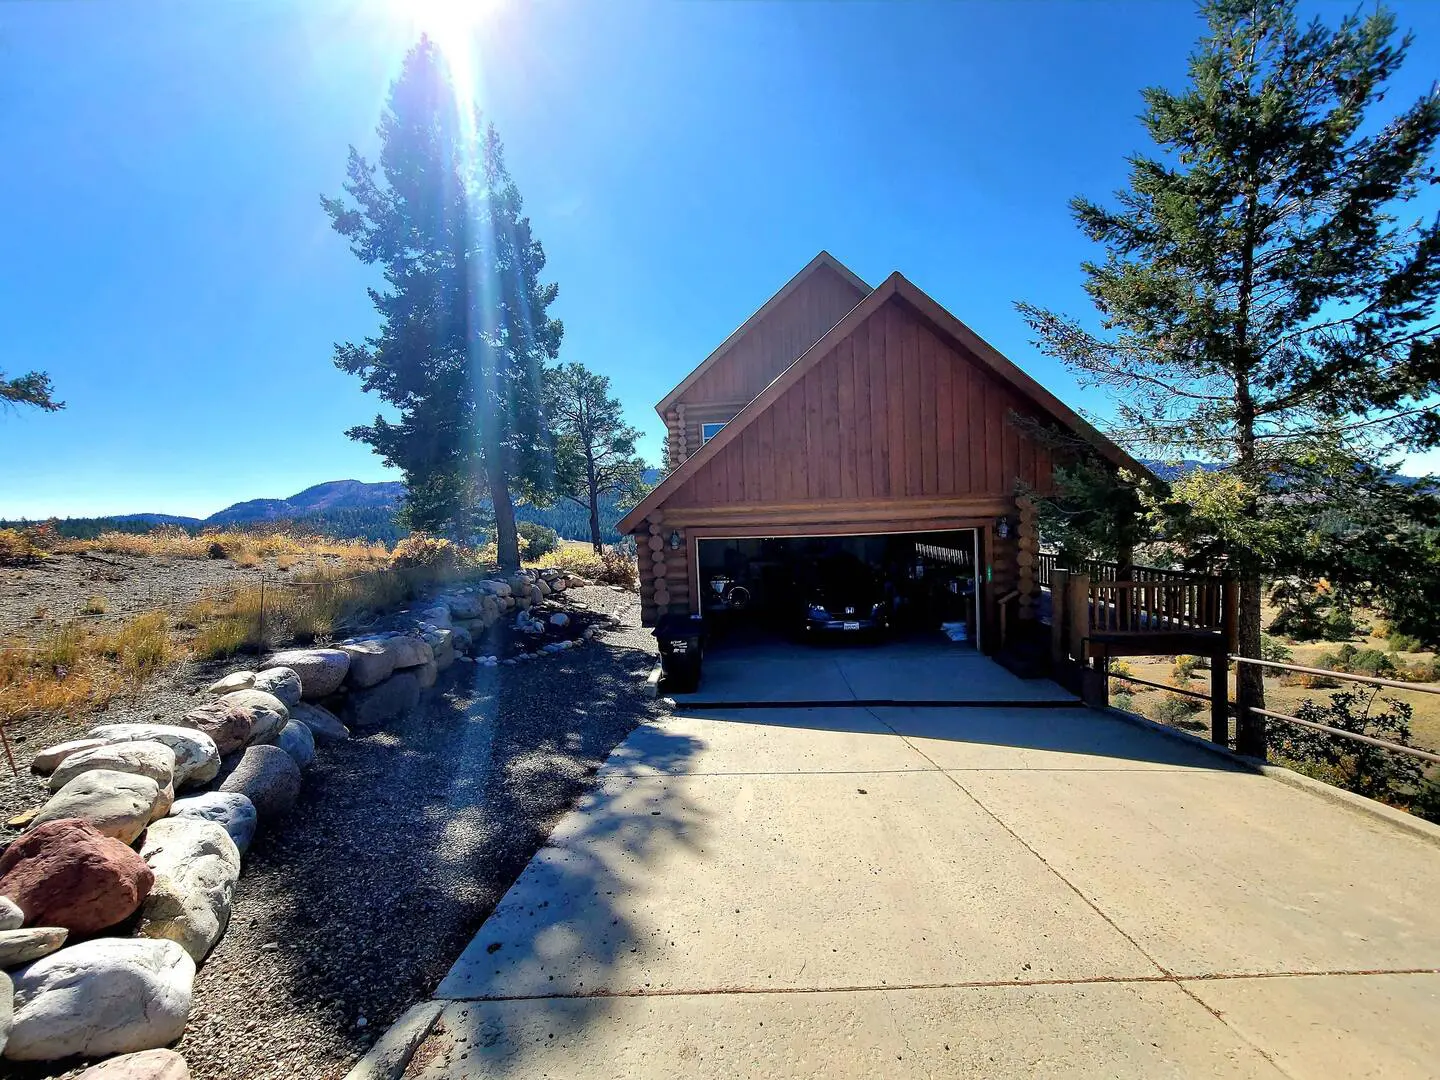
455	26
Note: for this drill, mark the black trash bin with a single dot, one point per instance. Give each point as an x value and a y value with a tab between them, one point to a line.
682	647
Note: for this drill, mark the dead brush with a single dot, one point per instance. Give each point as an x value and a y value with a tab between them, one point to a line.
72	667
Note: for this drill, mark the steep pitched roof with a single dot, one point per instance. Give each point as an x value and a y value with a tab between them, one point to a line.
896	285
824	259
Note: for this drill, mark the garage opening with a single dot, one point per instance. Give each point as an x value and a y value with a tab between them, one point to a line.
834	588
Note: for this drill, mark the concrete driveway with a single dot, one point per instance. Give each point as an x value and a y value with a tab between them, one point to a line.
775	671
998	892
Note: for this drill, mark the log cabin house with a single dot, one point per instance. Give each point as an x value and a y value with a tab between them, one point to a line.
871	421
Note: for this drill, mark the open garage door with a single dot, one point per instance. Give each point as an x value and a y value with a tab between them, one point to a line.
907	585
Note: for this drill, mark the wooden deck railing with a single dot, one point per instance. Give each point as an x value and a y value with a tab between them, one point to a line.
1170	604
1047	562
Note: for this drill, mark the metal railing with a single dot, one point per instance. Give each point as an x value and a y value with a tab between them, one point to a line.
1370	680
1233	709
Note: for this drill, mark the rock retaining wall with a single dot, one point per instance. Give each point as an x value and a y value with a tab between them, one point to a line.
115	851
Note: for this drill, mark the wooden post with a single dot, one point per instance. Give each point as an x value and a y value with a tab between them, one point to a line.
1059	585
1077	610
1230	611
1096	684
1220	699
1125	598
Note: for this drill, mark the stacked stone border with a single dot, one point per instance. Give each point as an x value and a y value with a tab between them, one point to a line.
122	882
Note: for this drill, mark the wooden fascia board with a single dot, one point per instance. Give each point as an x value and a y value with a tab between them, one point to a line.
1008	370
759	404
823	259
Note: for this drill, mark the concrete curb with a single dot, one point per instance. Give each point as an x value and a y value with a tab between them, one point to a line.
652	683
388	1058
1418	827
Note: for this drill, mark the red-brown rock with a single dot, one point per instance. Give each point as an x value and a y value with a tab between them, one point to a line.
228	723
66	873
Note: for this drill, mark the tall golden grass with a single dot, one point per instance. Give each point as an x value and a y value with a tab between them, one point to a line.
76	666
246	547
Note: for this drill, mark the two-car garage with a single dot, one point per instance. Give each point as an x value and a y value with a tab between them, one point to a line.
831	586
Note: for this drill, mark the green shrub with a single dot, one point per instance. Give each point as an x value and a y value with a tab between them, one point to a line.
536	540
1123	699
1175	708
1274	650
1372	662
1185	668
1339	624
1404	642
1367	770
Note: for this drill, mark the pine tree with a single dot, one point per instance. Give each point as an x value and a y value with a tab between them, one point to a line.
595	448
1262	304
33	388
464	332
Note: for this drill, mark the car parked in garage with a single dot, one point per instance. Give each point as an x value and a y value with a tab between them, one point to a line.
842	595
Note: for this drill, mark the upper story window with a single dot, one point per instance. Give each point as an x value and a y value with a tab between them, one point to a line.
709	431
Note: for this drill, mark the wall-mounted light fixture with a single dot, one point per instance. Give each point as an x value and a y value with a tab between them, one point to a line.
675	540
1002	528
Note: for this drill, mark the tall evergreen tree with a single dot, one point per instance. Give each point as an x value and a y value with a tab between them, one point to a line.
464	330
1262	304
33	389
595	449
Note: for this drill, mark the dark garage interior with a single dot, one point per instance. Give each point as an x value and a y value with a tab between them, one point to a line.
890	585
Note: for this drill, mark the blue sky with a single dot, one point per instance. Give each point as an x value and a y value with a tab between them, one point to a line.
167	261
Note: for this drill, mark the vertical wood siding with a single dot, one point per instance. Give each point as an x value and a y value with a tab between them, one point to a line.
776	341
892	412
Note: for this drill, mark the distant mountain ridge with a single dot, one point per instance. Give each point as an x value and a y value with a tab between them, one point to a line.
319	499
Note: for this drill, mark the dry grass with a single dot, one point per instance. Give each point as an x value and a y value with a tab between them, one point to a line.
244	547
77	666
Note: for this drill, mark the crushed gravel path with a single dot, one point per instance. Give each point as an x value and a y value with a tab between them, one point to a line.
402	843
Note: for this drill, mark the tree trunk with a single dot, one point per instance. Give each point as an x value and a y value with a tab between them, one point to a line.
592	490
1249	679
507	540
595	523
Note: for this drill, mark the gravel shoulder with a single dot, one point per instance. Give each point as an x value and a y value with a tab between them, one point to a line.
402	843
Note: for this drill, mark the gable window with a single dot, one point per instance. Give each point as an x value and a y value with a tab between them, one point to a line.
709	431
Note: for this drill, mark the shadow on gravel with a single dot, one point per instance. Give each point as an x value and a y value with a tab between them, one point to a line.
403	842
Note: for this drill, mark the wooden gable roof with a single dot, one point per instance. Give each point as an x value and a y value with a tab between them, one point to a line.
901	456
768	342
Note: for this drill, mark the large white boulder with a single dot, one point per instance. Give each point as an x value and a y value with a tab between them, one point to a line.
370	662
197	759
196	865
269	778
49	759
321	671
236	680
7	1009
296	740
409	651
106	996
280	682
117	804
323	724
267	713
146	758
229	809
146	1065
